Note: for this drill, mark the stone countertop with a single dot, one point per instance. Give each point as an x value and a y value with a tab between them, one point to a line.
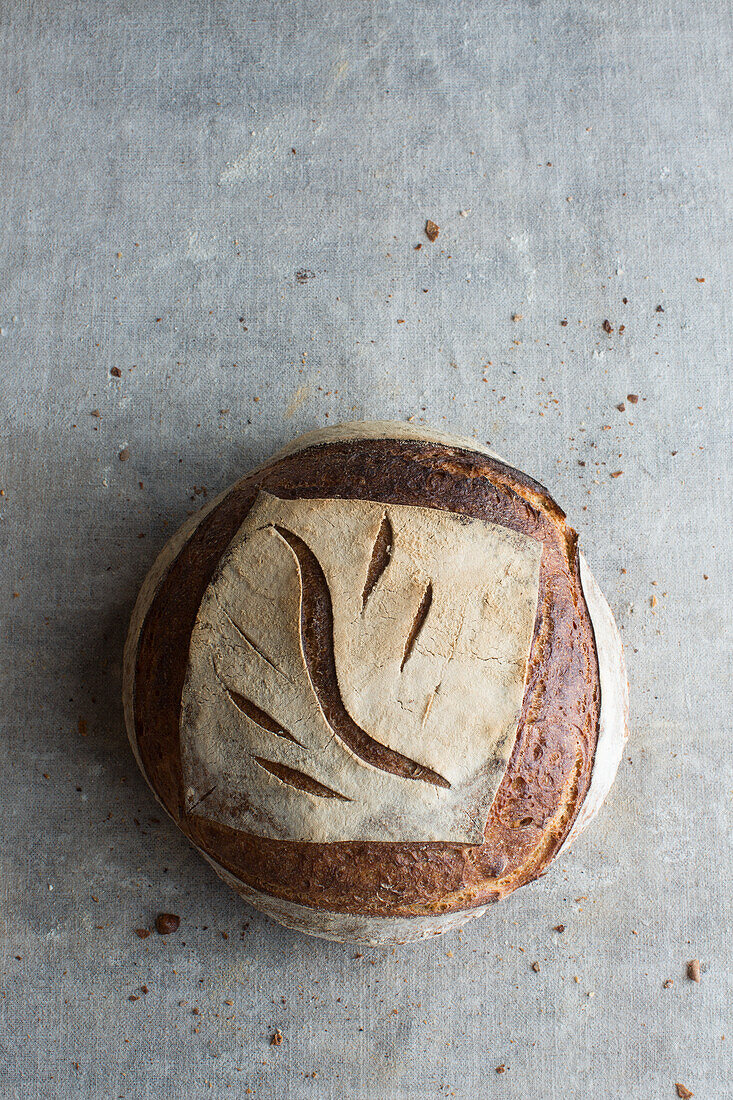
213	238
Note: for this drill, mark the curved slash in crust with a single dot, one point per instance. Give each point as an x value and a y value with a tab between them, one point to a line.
260	716
381	557
418	624
299	780
316	628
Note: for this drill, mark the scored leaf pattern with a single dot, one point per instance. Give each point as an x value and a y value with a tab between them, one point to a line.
356	672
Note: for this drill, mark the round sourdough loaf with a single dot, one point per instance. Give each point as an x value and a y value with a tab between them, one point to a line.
375	683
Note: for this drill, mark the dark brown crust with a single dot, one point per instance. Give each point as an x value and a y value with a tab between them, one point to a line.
549	771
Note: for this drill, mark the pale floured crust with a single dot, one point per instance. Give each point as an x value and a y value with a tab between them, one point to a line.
431	661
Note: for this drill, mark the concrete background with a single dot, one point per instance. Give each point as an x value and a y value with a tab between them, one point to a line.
222	201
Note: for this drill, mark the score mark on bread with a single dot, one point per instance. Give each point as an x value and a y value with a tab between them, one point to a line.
317	642
356	671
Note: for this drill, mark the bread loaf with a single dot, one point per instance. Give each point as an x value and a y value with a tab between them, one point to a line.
375	683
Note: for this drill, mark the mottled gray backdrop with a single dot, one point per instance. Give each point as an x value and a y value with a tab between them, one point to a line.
210	215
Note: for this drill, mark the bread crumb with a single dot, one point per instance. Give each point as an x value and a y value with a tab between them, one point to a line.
431	230
693	970
165	923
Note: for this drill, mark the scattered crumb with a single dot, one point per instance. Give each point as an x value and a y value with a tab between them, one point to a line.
697	280
165	923
667	983
124	454
517	316
431	230
632	398
607	327
621	406
617	473
559	928
536	967
564	324
501	1068
143	933
682	1092
693	970
276	1038
660	309
115	372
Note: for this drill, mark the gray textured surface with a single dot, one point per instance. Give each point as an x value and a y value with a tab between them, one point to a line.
151	199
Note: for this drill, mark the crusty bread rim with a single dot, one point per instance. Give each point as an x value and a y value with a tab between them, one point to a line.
613	729
613	721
